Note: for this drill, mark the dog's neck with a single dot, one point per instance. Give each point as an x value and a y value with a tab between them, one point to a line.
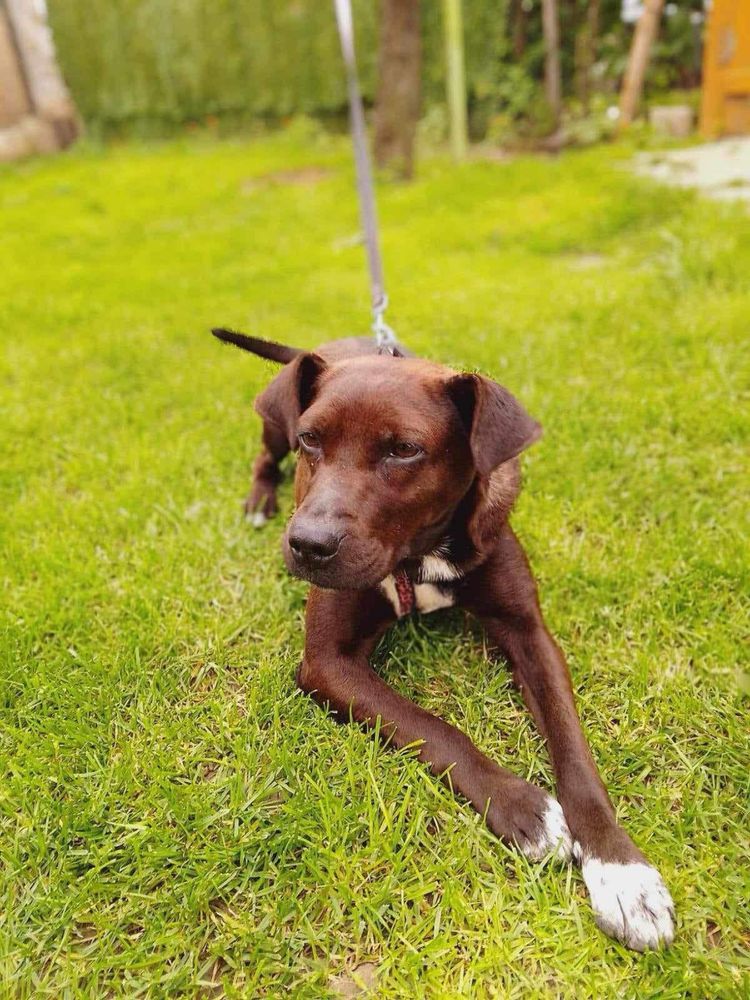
435	566
443	551
430	539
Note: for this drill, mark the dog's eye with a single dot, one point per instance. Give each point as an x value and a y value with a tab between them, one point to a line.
308	441
404	450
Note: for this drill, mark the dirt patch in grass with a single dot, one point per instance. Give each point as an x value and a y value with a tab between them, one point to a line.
360	982
299	177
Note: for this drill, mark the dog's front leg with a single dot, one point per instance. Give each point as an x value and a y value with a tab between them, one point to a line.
261	500
630	900
342	630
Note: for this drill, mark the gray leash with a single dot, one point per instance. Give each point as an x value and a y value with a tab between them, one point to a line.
384	335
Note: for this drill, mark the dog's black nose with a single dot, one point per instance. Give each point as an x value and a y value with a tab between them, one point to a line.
314	545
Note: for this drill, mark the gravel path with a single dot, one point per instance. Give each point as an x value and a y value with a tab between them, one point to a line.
718	169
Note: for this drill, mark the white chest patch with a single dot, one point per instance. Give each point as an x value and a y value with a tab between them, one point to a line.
388	590
435	569
427	597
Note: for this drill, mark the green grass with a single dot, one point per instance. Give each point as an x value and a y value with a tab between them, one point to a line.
176	819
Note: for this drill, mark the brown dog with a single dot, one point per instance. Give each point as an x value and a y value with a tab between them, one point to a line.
407	475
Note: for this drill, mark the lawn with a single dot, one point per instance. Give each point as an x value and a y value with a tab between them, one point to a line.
176	819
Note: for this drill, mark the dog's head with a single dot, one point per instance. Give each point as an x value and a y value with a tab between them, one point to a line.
388	449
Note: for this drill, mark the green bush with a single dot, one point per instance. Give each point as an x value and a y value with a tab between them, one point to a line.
172	61
151	65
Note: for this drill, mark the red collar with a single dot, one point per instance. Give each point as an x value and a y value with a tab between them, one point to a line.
405	592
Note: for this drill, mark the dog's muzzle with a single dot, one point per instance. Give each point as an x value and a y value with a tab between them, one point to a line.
313	545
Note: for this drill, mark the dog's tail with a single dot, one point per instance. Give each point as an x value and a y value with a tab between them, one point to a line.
263	348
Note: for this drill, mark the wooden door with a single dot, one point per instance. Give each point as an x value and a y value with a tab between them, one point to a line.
725	104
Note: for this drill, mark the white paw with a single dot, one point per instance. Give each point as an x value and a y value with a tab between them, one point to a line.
555	837
630	903
259	519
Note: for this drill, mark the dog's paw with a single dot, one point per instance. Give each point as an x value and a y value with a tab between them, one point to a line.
631	903
531	821
551	835
259	509
261	503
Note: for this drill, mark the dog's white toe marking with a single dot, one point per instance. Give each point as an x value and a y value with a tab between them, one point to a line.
259	519
630	902
555	837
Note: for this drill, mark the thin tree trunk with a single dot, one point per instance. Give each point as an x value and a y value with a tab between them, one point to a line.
640	52
398	95
552	78
518	29
593	17
456	88
585	54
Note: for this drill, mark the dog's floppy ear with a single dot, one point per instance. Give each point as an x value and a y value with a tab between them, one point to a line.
497	425
290	393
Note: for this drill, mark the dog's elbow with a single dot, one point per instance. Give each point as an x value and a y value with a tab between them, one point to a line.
313	678
302	678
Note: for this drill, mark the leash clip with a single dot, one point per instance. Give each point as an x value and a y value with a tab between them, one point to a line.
385	338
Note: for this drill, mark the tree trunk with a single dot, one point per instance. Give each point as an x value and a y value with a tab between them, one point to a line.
15	100
49	96
456	82
585	54
518	30
398	96
552	79
640	51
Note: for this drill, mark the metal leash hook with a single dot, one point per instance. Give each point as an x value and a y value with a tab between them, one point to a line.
384	335
385	338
